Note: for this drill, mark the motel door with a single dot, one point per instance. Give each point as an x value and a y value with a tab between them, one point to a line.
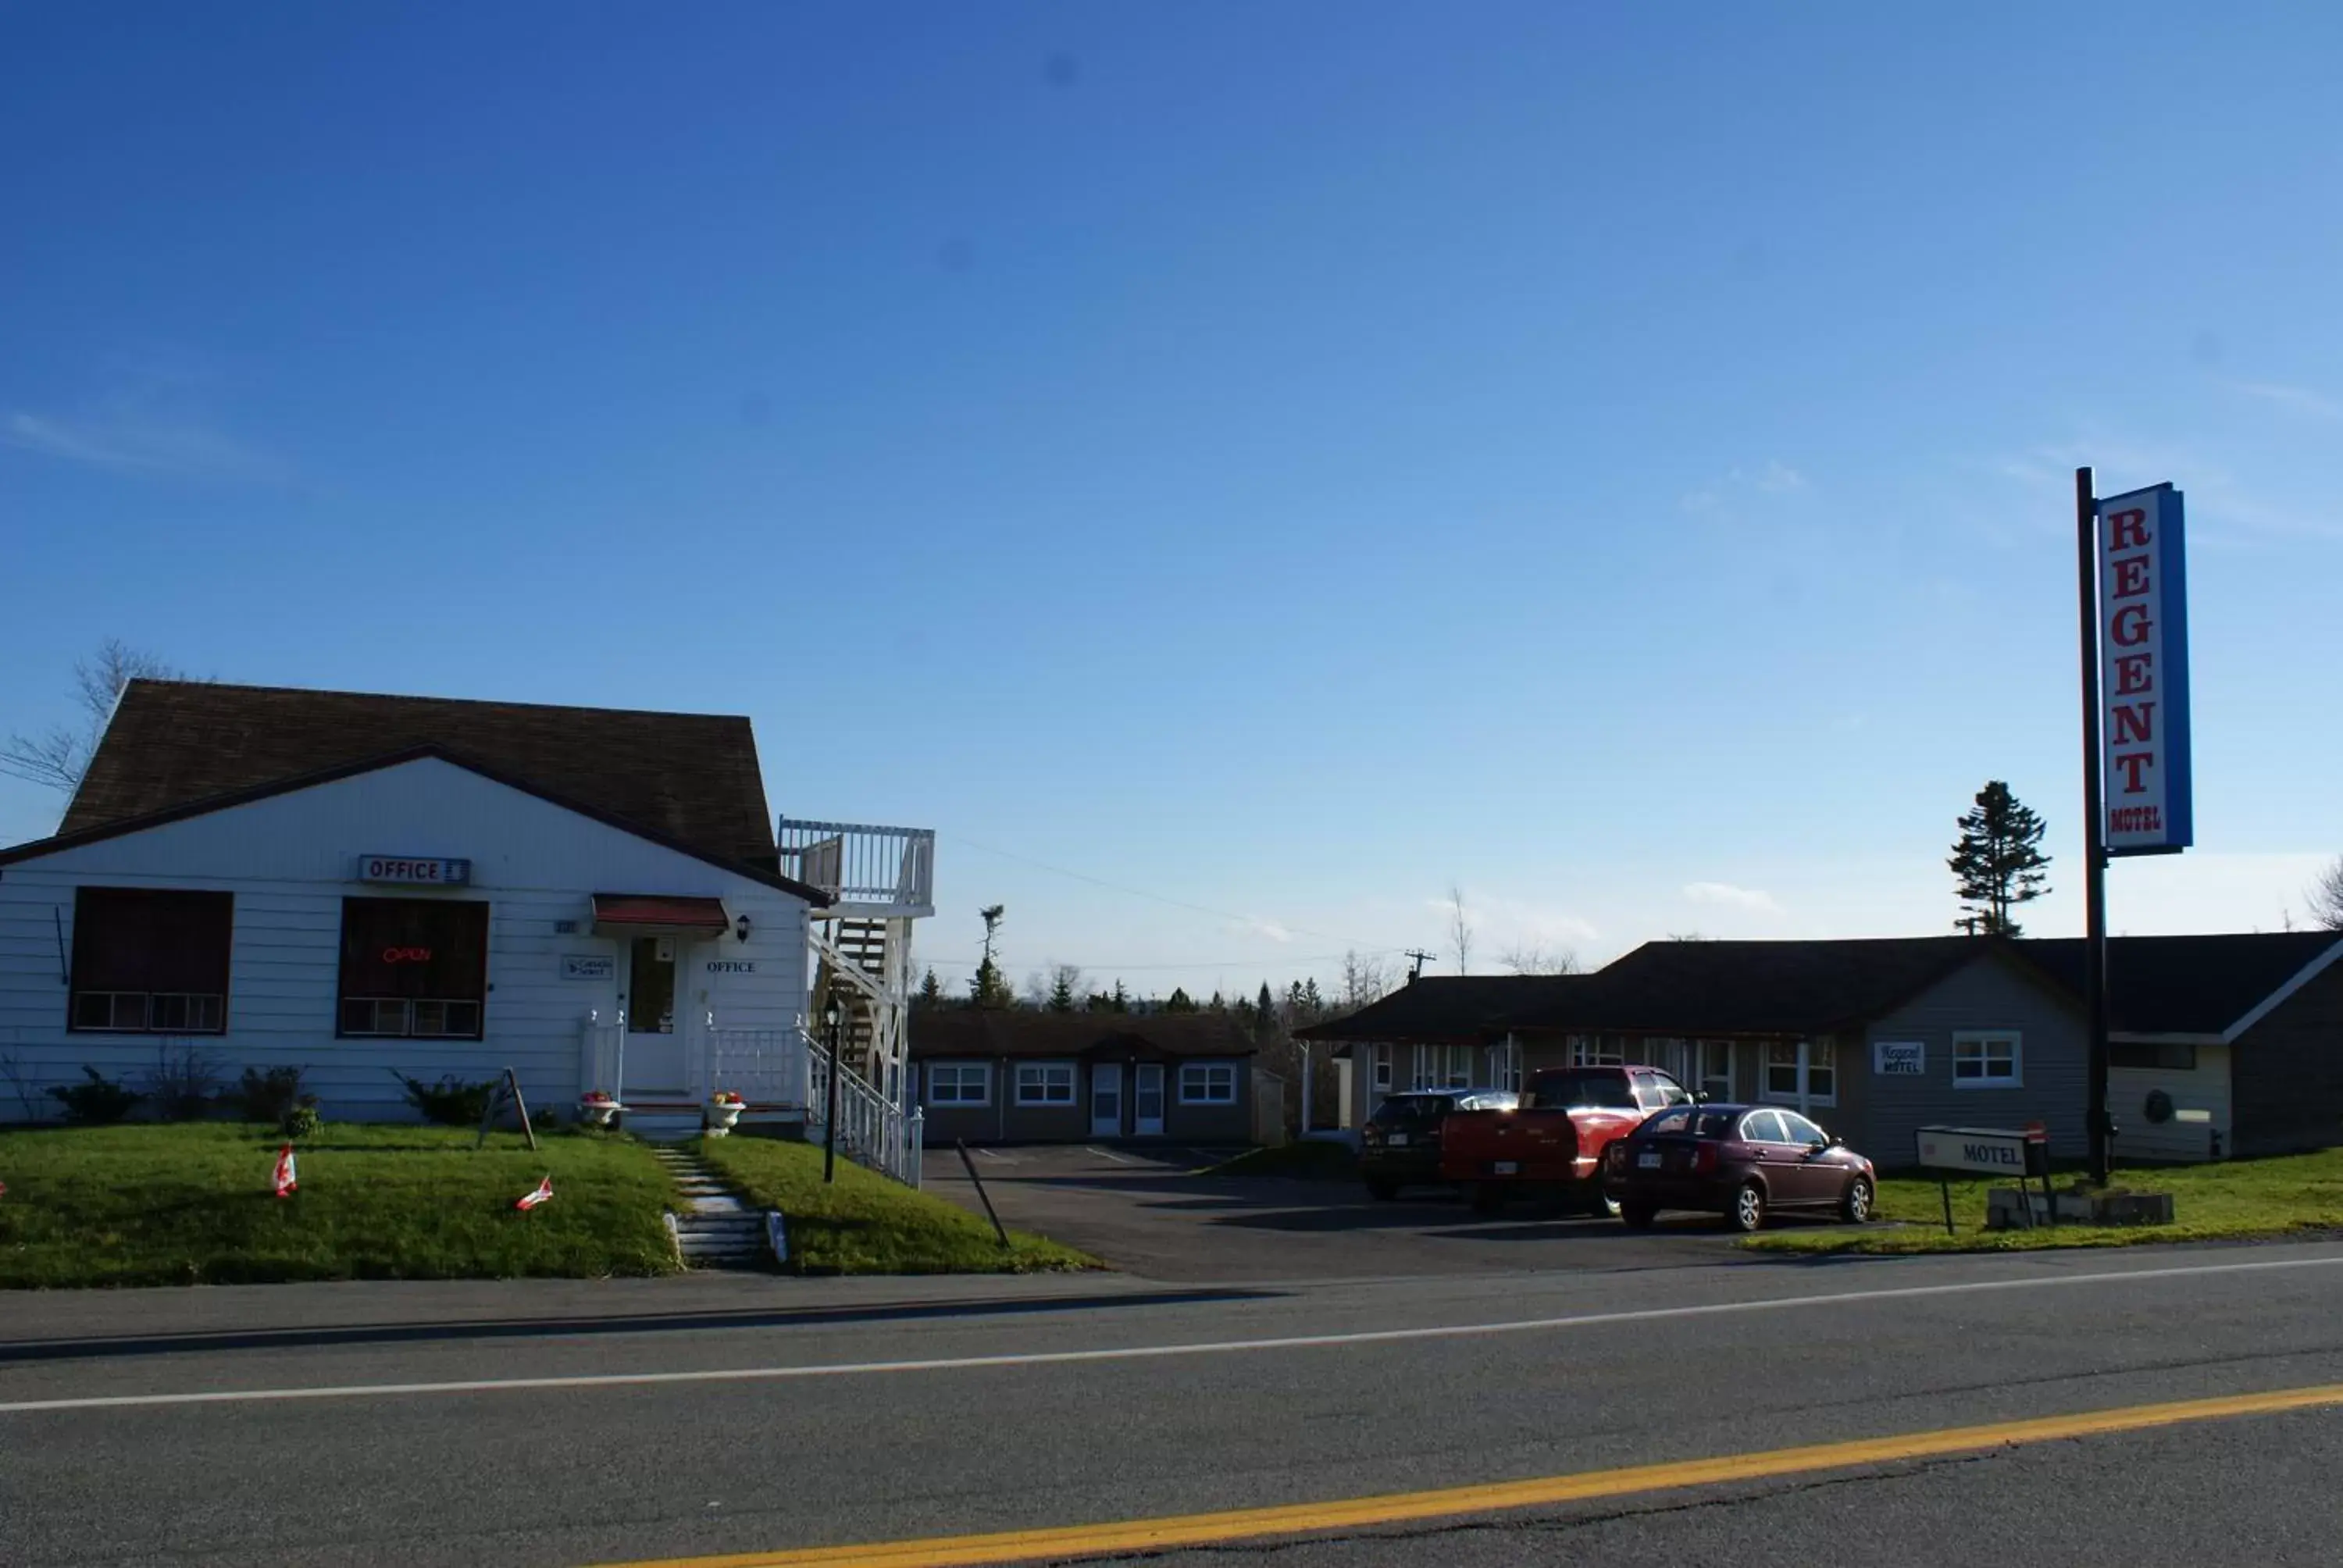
1106	1099
1147	1099
655	1041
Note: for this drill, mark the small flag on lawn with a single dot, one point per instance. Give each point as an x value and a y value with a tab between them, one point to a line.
286	1185
544	1194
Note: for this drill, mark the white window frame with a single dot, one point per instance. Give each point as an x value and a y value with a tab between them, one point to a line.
1210	1076
1039	1082
1379	1058
1597	1050
1975	1045
1811	1055
1459	1073
1703	1077
958	1072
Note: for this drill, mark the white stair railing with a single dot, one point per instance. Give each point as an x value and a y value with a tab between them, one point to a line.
872	1131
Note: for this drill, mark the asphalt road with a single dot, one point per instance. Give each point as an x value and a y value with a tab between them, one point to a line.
1149	1213
1094	1400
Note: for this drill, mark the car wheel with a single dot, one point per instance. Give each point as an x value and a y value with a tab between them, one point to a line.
1381	1189
1638	1216
1486	1197
1747	1214
1855	1207
1604	1205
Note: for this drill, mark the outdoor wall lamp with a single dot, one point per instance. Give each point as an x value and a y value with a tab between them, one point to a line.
741	928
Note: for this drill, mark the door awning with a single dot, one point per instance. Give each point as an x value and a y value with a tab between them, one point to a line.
657	915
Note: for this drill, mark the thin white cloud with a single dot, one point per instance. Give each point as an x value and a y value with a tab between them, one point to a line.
1727	896
1260	927
1775	478
2299	399
1778	477
135	443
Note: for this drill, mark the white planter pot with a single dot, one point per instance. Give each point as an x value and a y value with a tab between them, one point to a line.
598	1112
720	1118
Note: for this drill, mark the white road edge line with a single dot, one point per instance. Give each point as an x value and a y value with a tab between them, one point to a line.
1116	1158
1134	1352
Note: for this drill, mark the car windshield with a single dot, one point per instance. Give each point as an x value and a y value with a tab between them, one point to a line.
1605	1089
1413	1110
1681	1121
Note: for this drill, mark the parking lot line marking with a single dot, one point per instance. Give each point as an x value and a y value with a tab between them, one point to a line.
1116	1158
1399	1508
1139	1352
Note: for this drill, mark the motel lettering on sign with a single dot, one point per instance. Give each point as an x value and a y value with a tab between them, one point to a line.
2144	672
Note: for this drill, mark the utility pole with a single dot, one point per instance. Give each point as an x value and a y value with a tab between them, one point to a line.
2095	825
1419	958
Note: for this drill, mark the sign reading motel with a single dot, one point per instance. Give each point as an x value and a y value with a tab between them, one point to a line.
1992	1151
2144	673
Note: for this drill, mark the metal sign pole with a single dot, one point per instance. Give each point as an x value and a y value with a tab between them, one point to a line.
2094	849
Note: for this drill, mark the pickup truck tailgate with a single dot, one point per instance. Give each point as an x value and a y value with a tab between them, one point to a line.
1527	1145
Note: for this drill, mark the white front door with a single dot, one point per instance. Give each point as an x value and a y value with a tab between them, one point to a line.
1147	1099
1106	1099
656	1038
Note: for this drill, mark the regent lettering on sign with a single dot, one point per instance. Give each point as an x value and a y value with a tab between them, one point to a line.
414	870
2144	673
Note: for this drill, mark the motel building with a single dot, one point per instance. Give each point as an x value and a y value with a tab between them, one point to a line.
369	887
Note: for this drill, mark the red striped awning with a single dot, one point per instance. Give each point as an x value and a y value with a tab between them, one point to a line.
653	914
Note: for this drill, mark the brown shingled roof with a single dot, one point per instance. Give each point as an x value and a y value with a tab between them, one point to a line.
970	1031
690	778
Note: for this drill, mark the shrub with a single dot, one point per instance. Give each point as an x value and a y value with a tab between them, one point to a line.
301	1122
183	1084
273	1095
98	1102
451	1102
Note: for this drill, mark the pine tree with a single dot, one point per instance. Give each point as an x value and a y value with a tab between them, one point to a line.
1062	994
990	987
1998	862
1120	1001
1180	1001
932	990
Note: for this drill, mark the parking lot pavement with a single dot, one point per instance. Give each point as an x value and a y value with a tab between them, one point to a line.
1148	1211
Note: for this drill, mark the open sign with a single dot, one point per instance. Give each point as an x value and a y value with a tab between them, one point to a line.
406	955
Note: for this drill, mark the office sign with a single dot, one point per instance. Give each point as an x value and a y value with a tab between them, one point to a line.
1899	1058
2144	673
1993	1151
732	966
408	870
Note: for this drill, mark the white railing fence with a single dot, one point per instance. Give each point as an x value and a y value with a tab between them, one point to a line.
765	1066
861	863
869	1129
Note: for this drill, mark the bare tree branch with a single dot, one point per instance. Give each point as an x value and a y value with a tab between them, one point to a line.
2327	897
1460	930
59	758
1536	959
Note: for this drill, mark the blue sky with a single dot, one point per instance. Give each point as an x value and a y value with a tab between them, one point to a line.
1286	461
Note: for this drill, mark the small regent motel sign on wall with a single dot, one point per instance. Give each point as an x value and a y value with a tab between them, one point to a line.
2144	672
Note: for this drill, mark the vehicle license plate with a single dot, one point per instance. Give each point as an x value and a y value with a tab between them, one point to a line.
1397	1140
1649	1160
1504	1167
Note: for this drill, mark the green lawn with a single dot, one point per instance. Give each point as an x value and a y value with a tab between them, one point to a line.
191	1204
867	1224
2236	1200
1315	1158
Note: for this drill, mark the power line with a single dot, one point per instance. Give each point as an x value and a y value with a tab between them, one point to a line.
1161	898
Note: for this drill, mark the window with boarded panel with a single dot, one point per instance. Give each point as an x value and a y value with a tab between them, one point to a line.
414	968
150	960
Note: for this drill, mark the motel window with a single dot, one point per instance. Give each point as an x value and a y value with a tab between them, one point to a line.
1795	1072
2159	1058
1597	1050
1716	1069
1988	1061
1381	1056
1045	1083
1208	1083
150	960
959	1084
414	968
1460	1067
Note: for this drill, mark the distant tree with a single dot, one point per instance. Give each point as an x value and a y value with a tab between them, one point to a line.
1065	984
932	990
1116	1001
1218	1004
2327	897
1265	1008
988	988
1459	929
1179	1001
59	758
1536	959
1997	862
1365	980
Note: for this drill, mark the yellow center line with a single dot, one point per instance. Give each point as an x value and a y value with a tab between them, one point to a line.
1399	1508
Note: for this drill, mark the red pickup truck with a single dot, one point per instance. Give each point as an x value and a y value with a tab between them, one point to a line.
1553	1146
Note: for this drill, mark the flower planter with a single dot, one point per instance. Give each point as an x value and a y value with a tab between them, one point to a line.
597	1112
721	1115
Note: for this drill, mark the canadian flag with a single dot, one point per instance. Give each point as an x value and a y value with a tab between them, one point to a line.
544	1194
286	1185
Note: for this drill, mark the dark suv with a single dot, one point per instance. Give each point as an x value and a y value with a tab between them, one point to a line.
1401	1142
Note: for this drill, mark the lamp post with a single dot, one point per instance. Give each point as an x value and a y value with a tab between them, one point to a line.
831	1013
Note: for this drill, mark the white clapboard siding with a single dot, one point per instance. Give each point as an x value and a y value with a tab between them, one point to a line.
287	860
